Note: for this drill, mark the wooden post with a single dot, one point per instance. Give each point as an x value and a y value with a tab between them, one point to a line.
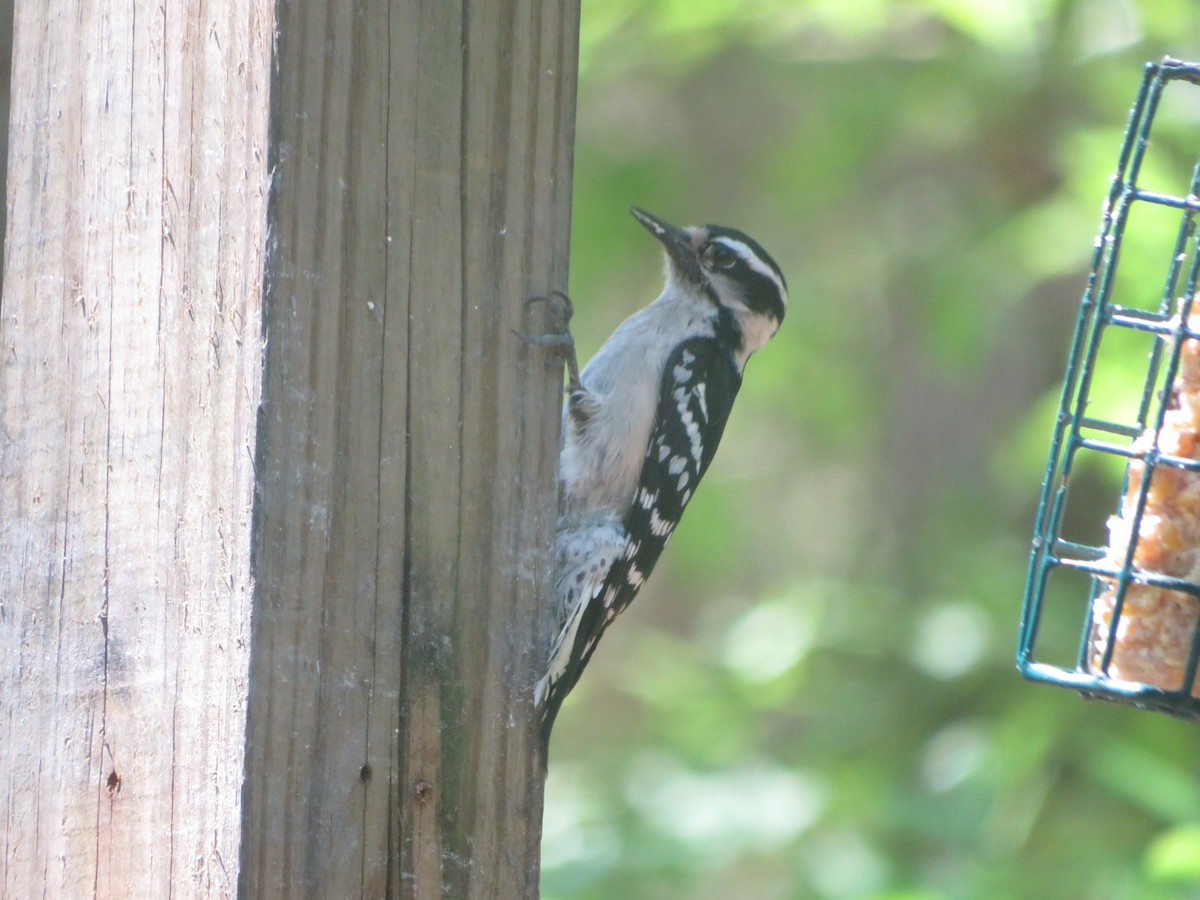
408	448
130	361
327	696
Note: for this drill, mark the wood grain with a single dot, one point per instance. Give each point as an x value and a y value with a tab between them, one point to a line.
407	449
130	361
276	477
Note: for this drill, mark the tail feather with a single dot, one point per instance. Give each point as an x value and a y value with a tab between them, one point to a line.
584	557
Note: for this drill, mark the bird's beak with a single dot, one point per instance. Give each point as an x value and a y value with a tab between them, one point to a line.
676	241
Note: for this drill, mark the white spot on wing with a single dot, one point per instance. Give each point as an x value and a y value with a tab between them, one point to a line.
693	433
659	526
688	421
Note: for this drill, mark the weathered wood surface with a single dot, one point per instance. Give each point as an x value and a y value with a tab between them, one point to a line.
384	516
408	443
130	361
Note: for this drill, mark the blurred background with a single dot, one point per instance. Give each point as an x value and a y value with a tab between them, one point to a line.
815	696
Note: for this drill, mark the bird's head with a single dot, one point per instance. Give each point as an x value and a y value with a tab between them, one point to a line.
728	267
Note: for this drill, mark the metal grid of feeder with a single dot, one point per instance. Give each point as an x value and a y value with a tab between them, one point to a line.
1087	588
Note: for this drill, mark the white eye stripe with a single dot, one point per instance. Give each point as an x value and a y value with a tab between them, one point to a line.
754	261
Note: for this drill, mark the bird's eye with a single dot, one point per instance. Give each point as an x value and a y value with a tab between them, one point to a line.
721	257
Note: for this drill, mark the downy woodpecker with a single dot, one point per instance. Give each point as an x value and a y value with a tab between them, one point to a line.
641	425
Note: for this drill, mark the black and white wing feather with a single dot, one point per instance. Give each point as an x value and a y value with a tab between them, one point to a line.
699	383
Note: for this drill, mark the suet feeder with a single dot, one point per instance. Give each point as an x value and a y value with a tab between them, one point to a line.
1112	608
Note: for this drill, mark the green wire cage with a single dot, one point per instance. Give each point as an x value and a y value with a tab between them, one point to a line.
1116	615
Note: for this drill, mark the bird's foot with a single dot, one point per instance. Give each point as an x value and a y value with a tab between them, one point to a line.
562	309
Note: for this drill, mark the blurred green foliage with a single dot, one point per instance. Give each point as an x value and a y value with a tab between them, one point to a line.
815	696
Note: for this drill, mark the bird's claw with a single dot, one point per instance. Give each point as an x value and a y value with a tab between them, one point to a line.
563	309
